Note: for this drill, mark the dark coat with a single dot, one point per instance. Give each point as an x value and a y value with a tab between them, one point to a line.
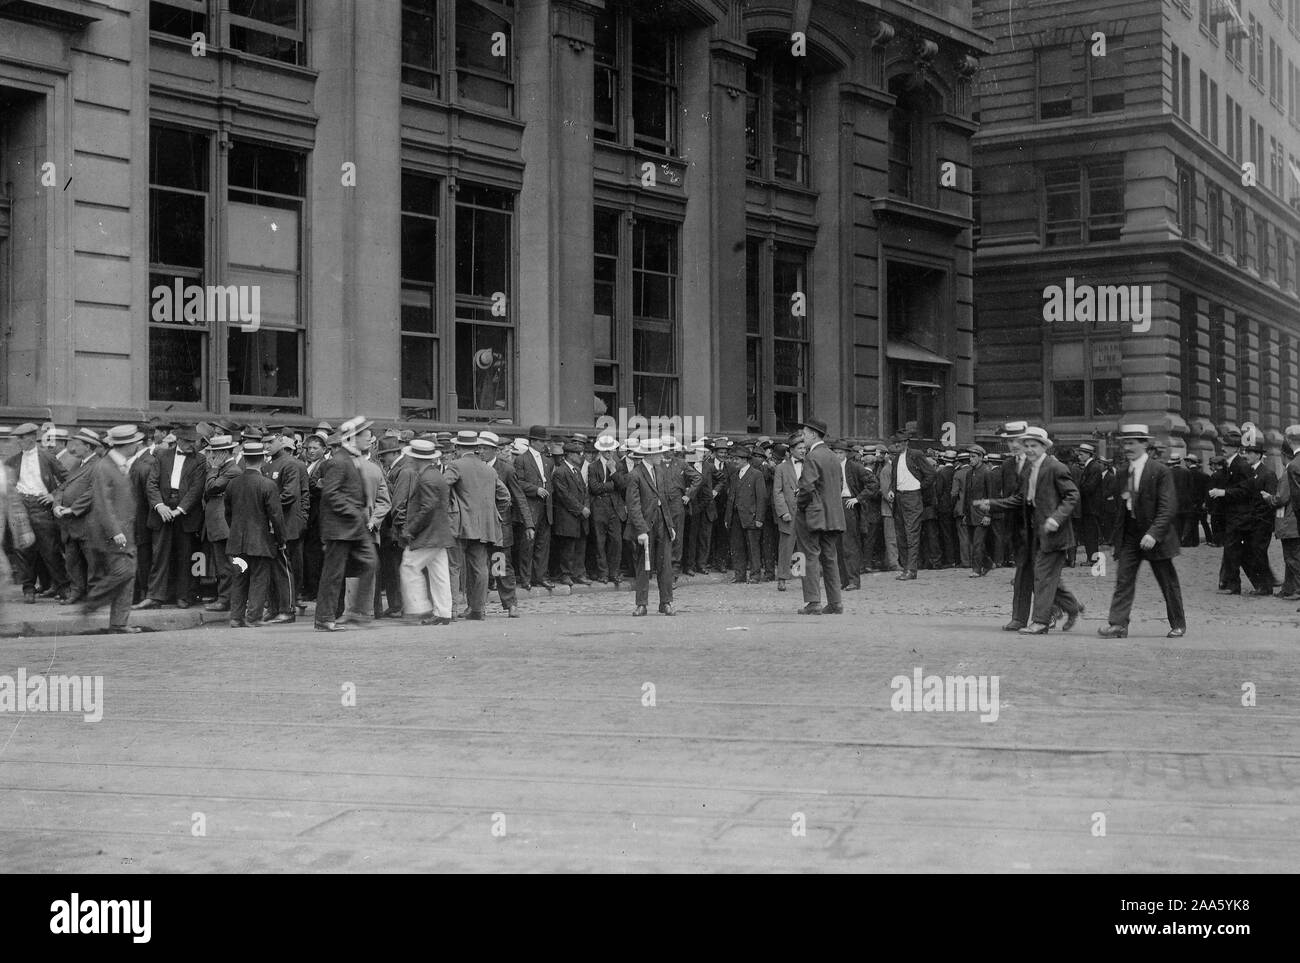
865	487
571	497
713	485
785	496
645	506
1155	508
747	499
113	505
290	477
981	482
214	500
944	500
139	477
1055	496
188	497
820	482
52	470
76	493
343	514
427	522
606	488
921	469
519	511
1184	490
1091	496
254	516
530	481
683	482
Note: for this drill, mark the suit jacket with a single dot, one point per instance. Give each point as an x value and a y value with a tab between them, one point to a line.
313	476
343	514
530	481
747	499
865	487
683	483
713	485
52	470
921	469
1287	497
1054	497
1184	489
1091	495
606	487
139	477
571	497
76	493
426	522
1241	491
378	501
481	500
290	477
980	482
113	506
1155	508
214	500
254	516
645	506
188	497
944	501
1009	484
401	478
821	481
785	496
519	511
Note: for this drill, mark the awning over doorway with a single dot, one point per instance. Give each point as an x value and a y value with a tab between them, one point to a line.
906	351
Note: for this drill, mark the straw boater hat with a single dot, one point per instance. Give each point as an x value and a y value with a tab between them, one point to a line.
423	449
519	446
88	436
1013	429
466	439
221	443
124	435
1037	434
651	446
489	438
606	443
1133	433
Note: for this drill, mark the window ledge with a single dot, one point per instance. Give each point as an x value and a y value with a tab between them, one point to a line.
419	97
893	208
790	187
73	16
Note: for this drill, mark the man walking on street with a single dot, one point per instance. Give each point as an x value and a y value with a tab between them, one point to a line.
110	531
820	521
35	474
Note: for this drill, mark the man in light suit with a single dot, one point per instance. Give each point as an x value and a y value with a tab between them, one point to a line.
785	504
649	527
1045	499
535	469
481	501
820	521
746	508
1148	529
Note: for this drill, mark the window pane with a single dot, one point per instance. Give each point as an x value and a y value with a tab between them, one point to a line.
482	248
789	410
419	194
1108	79
164	18
420	369
788	363
482	375
753	283
280	13
654	396
277	295
260	168
263	363
1107	397
420	44
654	247
753	379
176	228
652	351
178	158
263	237
653	296
176	364
1055	82
418	310
1067	360
1067	399
788	280
420	249
271	46
606	74
650	109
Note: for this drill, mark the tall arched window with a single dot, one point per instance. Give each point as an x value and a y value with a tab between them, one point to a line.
909	122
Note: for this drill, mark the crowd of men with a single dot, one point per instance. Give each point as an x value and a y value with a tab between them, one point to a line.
370	525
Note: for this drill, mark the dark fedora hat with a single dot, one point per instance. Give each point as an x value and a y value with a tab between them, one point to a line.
538	433
816	424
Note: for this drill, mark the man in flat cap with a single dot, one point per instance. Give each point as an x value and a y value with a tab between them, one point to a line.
979	485
72	504
35	474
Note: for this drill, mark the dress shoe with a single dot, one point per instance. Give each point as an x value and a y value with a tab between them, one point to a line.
851	587
217	607
1071	619
542	583
1260	592
1228	591
48	593
640	610
124	629
29	596
281	619
512	612
1013	626
1035	628
330	627
474	616
74	599
1175	633
835	609
977	574
1290	597
147	604
812	608
435	620
666	608
739	580
1113	632
780	585
907	576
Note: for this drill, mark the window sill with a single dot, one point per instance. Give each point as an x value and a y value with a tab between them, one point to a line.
771	183
422	98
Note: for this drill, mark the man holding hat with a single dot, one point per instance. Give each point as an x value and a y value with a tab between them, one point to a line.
649	527
535	470
746	508
1045	500
110	530
175	494
35	474
72	504
572	510
1148	529
606	481
481	502
820	521
256	536
222	469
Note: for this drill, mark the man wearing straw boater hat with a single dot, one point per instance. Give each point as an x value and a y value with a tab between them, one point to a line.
649	527
344	529
1045	501
427	534
256	523
1247	498
111	529
222	469
481	503
1147	529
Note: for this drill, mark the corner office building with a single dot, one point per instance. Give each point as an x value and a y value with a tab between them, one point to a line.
490	210
1128	169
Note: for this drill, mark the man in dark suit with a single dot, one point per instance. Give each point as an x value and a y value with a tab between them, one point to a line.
606	480
344	529
481	504
111	529
1148	529
979	485
1200	488
316	449
683	484
856	487
1241	499
704	509
820	521
518	515
1091	498
1046	498
73	500
746	507
1218	478
293	485
35	473
174	517
572	510
535	469
785	505
256	536
142	465
649	527
1183	496
913	476
222	468
945	507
